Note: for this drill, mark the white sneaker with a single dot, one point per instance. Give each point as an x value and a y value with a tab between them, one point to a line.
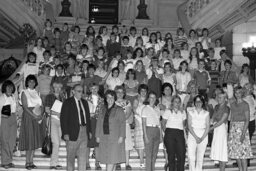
142	165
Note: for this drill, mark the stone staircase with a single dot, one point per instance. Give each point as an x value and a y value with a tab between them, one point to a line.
43	162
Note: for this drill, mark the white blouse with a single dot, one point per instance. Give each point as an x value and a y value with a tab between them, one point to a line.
29	69
33	98
182	80
10	101
198	119
113	82
174	120
39	54
152	115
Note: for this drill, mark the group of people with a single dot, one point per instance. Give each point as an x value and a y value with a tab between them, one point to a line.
99	90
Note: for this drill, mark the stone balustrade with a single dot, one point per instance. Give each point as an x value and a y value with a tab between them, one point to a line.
37	6
195	6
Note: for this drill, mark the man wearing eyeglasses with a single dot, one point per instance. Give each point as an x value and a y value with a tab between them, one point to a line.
76	128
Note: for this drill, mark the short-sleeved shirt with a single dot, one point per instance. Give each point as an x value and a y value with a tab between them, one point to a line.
152	115
174	119
238	110
202	78
219	111
198	119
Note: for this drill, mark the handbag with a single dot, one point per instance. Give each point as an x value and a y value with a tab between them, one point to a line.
47	144
6	110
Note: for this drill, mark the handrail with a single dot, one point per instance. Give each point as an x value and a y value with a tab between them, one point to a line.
37	6
183	17
195	6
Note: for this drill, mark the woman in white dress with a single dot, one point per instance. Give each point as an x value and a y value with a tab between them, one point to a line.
219	150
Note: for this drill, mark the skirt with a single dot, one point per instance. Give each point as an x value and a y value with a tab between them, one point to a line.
138	134
236	149
128	138
110	151
92	142
219	149
32	133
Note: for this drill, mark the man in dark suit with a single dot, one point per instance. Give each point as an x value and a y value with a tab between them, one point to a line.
76	128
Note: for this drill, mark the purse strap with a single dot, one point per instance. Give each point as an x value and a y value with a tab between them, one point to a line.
49	125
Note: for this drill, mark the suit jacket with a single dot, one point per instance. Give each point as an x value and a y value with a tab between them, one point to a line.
69	119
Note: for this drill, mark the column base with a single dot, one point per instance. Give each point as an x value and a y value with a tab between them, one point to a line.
69	20
82	21
142	22
126	22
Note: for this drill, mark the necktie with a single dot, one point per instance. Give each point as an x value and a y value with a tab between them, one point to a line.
81	113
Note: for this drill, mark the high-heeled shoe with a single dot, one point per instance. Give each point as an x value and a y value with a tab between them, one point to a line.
28	166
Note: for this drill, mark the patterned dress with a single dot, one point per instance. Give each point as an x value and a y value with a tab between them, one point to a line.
236	148
138	130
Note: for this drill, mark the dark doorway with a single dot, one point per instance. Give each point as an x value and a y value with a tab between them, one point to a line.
103	11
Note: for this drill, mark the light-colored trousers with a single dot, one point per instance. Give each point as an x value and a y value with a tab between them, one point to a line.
77	148
196	151
56	139
151	149
8	138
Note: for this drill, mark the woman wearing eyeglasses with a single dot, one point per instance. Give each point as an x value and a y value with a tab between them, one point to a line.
198	125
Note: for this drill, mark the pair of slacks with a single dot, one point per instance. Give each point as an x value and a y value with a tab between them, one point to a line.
56	139
77	148
196	151
151	148
8	138
174	142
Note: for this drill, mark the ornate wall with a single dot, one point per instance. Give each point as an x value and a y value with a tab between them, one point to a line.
162	13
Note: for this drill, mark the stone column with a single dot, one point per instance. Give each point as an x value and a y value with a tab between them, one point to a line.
142	17
65	12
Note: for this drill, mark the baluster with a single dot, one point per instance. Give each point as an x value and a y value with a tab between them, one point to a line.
194	8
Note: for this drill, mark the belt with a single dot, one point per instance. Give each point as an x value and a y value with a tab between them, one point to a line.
82	125
153	126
